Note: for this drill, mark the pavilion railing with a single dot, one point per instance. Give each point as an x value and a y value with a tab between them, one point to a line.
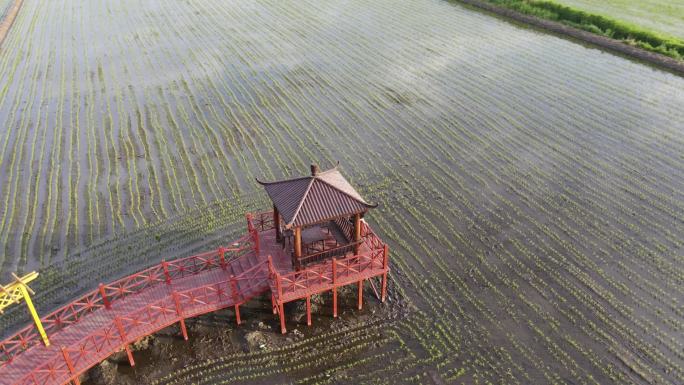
323	276
370	238
107	295
325	253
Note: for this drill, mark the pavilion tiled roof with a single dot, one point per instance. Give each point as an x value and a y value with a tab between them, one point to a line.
316	198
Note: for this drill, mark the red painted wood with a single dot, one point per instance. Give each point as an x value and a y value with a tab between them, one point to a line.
222	257
360	294
104	297
170	292
281	313
70	365
334	289
385	264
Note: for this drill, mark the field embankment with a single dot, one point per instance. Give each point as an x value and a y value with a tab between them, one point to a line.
605	32
660	16
7	17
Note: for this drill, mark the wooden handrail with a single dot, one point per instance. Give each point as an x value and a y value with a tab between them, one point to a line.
149	314
306	258
113	291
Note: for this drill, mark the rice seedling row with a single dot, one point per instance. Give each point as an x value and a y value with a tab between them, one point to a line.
533	208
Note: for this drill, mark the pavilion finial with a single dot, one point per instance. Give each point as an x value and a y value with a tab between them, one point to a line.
315	170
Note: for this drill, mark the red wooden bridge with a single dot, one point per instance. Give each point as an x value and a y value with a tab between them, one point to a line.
110	318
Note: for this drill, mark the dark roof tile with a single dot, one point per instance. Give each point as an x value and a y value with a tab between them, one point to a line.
313	199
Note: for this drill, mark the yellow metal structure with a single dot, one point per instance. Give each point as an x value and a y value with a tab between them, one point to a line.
18	290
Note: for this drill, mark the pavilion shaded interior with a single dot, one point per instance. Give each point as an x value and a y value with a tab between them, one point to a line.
318	216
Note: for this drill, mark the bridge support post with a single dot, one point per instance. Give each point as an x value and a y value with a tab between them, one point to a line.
131	361
360	294
281	310
308	310
385	260
334	289
70	366
236	299
179	312
122	335
184	330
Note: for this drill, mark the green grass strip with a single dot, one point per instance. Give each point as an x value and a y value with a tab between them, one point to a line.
600	25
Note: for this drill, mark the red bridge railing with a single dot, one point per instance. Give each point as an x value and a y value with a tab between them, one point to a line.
370	238
124	330
106	295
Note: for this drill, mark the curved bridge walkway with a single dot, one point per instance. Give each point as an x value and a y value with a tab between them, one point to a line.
110	318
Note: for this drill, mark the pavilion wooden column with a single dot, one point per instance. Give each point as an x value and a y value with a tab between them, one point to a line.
357	233
276	223
297	245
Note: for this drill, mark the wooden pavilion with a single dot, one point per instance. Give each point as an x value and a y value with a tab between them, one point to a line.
317	217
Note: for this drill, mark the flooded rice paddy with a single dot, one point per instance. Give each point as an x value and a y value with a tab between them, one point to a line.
531	188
